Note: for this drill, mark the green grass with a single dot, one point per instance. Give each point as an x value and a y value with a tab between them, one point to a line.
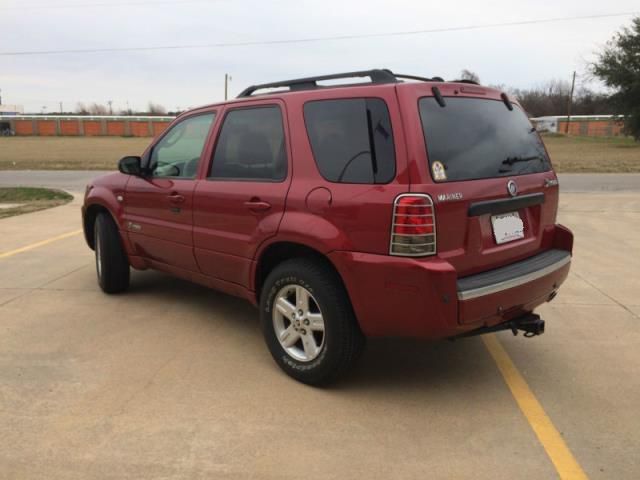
30	199
31	194
67	153
593	154
568	153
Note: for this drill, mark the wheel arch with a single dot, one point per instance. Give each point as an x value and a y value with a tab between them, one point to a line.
280	251
89	220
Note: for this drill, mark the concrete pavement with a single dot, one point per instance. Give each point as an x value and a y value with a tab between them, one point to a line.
69	180
75	181
171	380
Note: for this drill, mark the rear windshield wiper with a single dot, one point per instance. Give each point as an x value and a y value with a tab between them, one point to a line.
512	160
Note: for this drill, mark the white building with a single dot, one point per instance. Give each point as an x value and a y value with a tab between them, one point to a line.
11	109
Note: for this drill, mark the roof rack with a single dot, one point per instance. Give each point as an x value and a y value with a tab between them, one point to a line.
421	79
466	80
378	75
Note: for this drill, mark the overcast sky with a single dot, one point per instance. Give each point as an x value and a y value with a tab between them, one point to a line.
519	56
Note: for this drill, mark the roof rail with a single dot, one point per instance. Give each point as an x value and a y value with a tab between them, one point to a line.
466	80
376	76
422	79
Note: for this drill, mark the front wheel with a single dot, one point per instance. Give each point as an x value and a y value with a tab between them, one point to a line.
112	265
308	322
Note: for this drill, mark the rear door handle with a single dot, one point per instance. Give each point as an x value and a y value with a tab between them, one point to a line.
257	205
176	198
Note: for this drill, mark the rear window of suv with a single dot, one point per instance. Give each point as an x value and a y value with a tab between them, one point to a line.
474	138
351	139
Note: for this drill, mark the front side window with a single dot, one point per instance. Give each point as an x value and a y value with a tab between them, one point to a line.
251	146
351	139
178	153
473	138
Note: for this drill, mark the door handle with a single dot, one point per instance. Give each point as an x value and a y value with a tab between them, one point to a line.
257	205
176	198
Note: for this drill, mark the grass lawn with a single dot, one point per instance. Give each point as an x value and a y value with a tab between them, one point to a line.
18	200
569	154
67	153
593	154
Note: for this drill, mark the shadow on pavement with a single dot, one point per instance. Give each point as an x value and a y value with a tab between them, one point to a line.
386	362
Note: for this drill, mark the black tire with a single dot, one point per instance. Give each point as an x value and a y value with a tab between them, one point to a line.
112	264
343	341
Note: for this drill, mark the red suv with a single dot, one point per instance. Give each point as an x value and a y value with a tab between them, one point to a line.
398	206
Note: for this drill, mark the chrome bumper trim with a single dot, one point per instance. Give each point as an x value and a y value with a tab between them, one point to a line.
513	282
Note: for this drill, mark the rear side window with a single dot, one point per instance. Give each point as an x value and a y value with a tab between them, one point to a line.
471	138
251	146
351	139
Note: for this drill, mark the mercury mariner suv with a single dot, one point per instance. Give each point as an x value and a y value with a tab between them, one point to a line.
394	205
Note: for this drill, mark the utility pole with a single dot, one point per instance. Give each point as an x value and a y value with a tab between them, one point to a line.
573	84
227	79
110	102
0	96
60	108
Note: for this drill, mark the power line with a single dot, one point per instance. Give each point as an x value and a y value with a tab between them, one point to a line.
104	4
317	39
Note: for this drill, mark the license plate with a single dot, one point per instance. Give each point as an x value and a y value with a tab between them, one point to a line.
507	227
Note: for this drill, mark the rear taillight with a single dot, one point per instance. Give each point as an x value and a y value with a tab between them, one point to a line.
413	228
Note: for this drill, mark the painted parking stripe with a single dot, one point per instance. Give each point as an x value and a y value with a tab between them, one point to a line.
39	244
563	460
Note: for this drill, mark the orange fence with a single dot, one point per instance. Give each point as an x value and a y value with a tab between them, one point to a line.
58	125
592	128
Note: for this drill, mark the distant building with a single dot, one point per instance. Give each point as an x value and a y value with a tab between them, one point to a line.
11	110
581	125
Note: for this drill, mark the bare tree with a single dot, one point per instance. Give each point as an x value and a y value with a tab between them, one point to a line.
469	75
98	109
82	109
551	98
157	109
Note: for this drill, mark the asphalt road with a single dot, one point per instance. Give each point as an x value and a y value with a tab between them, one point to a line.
173	381
75	181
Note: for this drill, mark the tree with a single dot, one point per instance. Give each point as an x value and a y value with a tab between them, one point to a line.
98	109
92	109
550	98
618	66
157	109
469	75
82	109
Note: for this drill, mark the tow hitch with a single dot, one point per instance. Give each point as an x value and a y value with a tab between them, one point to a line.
531	324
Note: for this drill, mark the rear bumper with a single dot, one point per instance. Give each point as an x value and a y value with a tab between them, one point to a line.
512	276
508	292
398	296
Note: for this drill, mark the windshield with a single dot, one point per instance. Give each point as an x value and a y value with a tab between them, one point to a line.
471	138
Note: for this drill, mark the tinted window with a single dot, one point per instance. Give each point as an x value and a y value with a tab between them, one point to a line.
251	145
477	138
177	154
351	139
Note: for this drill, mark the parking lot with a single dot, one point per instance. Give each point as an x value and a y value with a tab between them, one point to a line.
172	380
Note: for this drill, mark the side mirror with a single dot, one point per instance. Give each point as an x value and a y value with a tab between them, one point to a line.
130	166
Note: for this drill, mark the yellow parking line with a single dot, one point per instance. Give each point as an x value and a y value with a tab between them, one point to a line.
565	463
39	244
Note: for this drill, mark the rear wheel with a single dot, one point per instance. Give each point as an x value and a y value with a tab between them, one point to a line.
308	322
112	265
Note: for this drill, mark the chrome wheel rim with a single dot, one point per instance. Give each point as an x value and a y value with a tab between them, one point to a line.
298	323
